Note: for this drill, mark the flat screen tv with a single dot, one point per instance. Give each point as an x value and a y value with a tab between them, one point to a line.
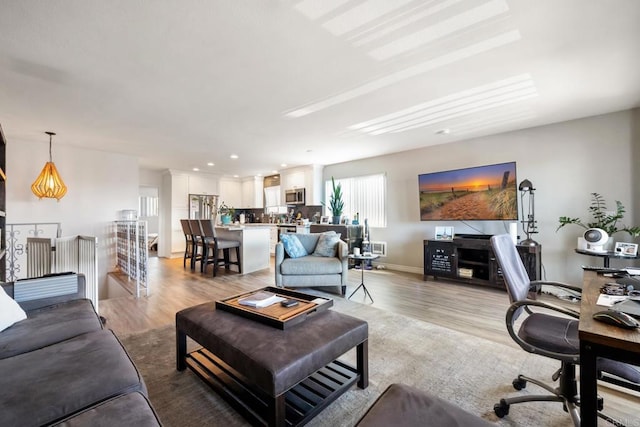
487	193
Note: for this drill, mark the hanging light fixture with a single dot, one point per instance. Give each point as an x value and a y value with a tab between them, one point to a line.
48	183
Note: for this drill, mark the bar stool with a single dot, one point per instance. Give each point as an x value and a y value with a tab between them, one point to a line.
197	243
188	240
215	245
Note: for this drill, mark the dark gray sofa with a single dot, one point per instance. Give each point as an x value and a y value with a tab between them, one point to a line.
60	366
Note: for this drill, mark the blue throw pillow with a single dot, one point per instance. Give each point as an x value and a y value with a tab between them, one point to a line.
327	243
292	246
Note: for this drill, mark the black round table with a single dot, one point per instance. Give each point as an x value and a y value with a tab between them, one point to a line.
363	258
606	255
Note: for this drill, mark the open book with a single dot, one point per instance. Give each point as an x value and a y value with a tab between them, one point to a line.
261	299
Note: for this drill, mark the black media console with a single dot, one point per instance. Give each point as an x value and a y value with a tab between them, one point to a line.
469	258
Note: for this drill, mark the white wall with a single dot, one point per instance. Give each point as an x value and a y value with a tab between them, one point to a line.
99	185
564	161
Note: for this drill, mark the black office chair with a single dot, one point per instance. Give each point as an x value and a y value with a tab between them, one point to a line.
548	335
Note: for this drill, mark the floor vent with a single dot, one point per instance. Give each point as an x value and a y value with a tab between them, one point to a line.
379	248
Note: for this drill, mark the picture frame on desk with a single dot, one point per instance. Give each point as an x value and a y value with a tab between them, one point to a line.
626	249
324	220
444	233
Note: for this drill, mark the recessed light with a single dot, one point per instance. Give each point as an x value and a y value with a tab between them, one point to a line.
210	164
444	131
259	174
196	169
234	156
274	171
309	151
284	165
236	176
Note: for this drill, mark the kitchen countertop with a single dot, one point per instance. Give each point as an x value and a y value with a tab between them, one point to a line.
260	224
238	227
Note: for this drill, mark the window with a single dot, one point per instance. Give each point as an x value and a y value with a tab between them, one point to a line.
148	206
147	202
364	195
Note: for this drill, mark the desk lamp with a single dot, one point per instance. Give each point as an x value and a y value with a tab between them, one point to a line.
529	225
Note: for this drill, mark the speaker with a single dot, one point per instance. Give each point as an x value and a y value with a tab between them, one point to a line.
596	238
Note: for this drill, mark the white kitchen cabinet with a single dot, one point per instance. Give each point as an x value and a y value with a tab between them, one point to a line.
308	177
313	184
252	193
293	179
272	196
273	239
290	179
203	184
174	204
303	229
230	192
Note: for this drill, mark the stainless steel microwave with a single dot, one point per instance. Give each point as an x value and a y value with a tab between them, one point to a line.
295	196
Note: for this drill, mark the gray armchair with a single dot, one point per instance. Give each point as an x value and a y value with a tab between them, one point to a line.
310	270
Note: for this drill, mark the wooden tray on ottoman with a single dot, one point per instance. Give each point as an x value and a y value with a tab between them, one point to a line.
276	315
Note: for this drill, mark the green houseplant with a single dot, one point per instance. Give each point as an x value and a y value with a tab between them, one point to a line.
226	213
602	218
336	204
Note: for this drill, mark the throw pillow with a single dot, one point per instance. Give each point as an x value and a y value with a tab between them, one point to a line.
327	244
292	246
10	311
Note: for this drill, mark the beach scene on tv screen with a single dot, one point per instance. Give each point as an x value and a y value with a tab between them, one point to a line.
482	193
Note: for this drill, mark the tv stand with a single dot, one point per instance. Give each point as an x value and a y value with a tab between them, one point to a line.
471	260
474	236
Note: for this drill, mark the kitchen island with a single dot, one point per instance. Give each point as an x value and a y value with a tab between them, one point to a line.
254	244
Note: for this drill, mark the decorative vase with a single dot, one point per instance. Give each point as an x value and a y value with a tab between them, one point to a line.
226	219
336	219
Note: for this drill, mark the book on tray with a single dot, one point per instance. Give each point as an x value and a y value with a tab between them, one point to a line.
260	299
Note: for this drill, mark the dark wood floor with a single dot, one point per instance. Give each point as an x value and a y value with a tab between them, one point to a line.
475	310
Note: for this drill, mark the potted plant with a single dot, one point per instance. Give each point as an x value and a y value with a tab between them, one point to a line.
336	204
226	213
602	218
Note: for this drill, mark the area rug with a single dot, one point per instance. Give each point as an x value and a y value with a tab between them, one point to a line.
471	372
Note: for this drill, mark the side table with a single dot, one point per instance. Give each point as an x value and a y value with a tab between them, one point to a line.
606	256
363	258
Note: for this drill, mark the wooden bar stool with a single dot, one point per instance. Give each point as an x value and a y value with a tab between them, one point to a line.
197	243
212	247
188	240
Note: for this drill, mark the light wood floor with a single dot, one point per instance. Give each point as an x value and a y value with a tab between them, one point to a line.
475	310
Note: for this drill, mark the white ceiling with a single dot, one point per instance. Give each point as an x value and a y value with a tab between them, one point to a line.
183	83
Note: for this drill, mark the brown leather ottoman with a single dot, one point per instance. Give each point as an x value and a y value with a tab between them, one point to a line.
269	374
404	406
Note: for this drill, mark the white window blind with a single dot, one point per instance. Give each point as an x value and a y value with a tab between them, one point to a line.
147	206
363	195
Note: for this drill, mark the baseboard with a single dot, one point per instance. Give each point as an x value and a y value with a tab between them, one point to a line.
398	267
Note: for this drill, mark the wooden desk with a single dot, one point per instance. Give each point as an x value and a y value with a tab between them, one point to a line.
598	339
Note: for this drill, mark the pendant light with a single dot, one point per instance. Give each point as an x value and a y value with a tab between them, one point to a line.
48	183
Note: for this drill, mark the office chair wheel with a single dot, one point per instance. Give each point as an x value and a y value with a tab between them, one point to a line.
501	409
519	383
